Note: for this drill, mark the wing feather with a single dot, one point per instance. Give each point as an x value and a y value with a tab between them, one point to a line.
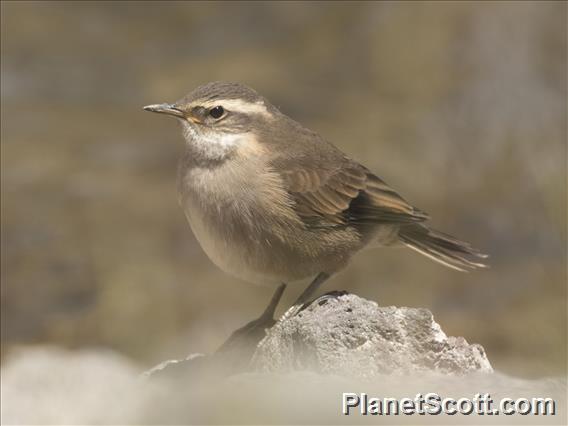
347	195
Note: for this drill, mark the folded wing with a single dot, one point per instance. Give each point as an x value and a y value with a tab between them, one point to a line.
347	195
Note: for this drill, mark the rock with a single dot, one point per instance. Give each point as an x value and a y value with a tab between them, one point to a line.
48	385
347	335
57	386
342	334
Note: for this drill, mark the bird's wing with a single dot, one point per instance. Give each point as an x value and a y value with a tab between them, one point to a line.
347	195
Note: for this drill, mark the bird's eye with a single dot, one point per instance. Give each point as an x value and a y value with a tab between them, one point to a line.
217	112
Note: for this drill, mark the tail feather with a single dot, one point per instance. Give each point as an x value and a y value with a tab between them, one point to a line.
442	248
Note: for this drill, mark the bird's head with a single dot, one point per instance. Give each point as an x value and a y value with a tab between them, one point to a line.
220	117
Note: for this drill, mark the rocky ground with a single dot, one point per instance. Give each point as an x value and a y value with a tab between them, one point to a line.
296	374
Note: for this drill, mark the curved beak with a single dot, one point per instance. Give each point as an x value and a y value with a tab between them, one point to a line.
169	109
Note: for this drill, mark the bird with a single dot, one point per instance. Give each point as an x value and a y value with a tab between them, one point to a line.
272	202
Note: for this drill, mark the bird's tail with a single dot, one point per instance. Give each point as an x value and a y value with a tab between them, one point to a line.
442	248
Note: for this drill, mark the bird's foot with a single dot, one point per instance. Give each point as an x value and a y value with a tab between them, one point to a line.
250	334
292	312
299	307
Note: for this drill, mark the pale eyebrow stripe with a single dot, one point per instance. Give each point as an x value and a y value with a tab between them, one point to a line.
239	105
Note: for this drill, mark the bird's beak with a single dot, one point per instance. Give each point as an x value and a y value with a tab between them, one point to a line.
169	109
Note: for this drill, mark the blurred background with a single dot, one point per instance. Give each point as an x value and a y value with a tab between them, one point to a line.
459	106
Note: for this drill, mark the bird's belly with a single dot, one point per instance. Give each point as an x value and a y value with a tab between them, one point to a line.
231	246
238	248
219	247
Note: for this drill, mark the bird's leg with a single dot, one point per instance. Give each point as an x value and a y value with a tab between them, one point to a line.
253	332
268	313
305	296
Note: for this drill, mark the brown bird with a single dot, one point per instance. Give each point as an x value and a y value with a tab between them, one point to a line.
271	201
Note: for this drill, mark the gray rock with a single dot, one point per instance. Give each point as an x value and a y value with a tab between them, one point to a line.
341	334
347	335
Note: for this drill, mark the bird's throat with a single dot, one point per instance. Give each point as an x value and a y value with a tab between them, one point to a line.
213	146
